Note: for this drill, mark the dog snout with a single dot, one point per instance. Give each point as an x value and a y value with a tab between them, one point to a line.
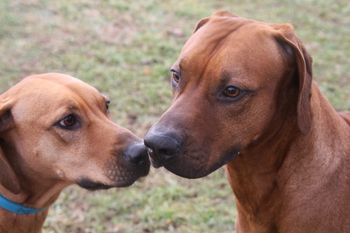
163	145
136	154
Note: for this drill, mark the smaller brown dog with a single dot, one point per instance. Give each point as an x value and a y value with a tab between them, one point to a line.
55	131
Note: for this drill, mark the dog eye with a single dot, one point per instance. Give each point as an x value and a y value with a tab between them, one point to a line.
69	122
232	92
175	76
107	104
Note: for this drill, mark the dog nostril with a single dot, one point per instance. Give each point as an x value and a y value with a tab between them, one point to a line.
163	146
136	154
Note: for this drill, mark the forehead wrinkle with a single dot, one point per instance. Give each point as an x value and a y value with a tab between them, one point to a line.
83	97
236	77
89	105
211	51
211	33
85	93
235	60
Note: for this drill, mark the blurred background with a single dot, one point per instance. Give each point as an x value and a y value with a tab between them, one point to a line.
125	49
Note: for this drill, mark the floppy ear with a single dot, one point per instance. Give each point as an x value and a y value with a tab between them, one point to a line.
8	178
201	23
6	120
294	49
216	14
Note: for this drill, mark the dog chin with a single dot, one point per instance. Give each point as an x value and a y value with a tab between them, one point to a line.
180	168
193	171
186	169
187	172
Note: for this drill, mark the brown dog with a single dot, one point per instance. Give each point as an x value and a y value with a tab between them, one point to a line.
244	97
55	131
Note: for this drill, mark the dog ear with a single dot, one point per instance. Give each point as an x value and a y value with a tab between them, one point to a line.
224	13
8	178
6	120
216	14
201	23
295	49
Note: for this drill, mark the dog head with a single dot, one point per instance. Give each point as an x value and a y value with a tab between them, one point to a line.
235	82
56	129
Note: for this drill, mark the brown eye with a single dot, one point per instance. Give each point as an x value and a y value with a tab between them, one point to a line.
69	122
232	92
175	76
107	104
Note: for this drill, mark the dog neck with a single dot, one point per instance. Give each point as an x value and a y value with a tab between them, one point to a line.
11	223
253	177
262	176
42	196
17	208
35	192
29	223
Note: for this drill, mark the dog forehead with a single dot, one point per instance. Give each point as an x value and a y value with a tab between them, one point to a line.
232	43
65	81
50	91
55	85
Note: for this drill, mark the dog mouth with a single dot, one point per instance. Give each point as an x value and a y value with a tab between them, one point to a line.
189	168
92	185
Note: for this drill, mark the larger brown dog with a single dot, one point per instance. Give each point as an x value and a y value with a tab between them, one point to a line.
244	96
55	131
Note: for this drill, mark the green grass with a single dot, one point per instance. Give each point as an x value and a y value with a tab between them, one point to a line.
125	49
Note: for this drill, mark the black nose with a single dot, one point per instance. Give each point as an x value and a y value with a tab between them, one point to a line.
136	154
164	146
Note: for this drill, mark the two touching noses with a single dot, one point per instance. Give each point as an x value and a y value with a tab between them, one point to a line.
160	146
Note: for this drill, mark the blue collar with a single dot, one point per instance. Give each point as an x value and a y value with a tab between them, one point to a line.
17	208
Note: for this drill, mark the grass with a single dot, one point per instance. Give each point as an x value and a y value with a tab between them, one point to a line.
125	49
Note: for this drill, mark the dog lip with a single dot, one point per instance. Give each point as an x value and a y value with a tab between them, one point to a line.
232	156
121	184
126	182
183	170
144	172
91	185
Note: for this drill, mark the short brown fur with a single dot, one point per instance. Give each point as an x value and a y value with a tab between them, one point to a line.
290	153
38	158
